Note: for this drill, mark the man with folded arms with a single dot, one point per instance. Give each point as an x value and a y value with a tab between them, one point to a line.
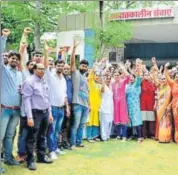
35	93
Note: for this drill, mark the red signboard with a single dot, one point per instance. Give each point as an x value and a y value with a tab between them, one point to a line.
142	14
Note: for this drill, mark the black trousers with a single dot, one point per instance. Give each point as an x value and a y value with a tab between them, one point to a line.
66	126
37	134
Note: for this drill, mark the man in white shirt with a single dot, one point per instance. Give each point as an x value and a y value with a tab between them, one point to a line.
58	97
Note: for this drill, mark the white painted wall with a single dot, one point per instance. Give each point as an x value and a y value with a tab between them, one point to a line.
66	39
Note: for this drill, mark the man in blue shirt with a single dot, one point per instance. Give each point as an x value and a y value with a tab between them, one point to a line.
67	119
10	102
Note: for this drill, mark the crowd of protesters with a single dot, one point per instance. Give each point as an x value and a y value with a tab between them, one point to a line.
56	103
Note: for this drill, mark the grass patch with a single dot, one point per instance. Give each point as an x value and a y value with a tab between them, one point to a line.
111	158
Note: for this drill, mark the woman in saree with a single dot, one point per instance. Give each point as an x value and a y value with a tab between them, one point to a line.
163	111
173	83
121	118
93	128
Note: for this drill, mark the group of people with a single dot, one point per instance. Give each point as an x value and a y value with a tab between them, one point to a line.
56	103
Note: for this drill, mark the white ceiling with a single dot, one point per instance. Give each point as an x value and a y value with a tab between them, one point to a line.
156	33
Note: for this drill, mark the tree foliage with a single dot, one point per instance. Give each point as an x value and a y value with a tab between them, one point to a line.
112	35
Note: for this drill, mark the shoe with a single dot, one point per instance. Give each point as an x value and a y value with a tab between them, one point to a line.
123	139
97	139
80	145
91	141
21	159
118	138
52	155
45	160
67	147
58	151
31	166
140	140
2	170
12	162
73	147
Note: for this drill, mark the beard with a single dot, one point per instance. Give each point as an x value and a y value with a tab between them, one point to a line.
82	71
59	71
31	71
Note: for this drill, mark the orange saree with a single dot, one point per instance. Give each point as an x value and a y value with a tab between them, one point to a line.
174	89
164	117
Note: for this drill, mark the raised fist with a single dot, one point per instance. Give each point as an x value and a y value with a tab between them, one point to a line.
27	30
167	64
153	60
6	32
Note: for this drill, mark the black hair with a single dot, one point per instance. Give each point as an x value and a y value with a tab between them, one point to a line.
34	66
84	62
28	62
14	53
59	62
36	52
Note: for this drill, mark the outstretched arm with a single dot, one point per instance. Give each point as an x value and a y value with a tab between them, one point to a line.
168	78
72	60
23	48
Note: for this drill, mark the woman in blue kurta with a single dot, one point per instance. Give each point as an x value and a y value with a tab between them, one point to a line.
133	91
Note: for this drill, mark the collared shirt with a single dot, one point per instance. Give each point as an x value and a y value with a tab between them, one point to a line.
22	109
58	88
35	93
69	88
11	82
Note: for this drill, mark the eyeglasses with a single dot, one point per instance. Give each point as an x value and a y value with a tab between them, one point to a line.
41	69
5	55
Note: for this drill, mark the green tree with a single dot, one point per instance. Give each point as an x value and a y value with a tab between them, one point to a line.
112	35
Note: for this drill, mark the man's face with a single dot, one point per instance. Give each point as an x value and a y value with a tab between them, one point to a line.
14	61
5	57
30	67
51	63
38	58
60	67
66	70
40	70
83	68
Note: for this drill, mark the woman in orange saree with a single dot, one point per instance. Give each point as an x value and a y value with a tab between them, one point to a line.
163	112
174	88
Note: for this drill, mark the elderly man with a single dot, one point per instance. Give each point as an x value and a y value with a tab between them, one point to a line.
38	109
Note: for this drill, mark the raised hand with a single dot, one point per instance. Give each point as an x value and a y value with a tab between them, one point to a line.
46	47
153	60
23	45
167	65
27	30
6	32
76	42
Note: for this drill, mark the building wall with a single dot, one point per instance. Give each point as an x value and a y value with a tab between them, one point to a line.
65	38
